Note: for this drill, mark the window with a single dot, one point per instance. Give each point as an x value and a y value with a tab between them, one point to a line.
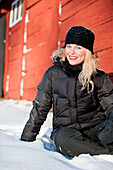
16	12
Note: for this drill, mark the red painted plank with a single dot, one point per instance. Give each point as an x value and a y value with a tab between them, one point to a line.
29	94
64	2
94	15
32	78
14	67
15	52
37	57
36	63
30	3
42	7
14	83
103	38
47	18
74	7
105	61
16	37
13	94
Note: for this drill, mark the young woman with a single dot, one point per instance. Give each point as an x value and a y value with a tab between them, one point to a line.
81	96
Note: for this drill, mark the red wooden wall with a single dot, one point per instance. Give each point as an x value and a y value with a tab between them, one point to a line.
30	43
42	39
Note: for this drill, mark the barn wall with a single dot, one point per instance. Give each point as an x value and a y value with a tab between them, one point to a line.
30	43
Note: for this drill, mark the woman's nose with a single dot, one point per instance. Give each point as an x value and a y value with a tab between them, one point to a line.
72	50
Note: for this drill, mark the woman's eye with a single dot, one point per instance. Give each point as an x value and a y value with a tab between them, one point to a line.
78	47
68	46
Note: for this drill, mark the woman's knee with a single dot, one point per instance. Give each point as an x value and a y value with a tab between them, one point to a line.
59	139
63	134
65	138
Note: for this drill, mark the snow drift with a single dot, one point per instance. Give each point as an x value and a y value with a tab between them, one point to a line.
15	154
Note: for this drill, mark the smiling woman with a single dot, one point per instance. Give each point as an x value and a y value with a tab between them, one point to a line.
82	99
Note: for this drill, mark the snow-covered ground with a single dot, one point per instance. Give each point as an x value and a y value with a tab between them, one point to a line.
18	155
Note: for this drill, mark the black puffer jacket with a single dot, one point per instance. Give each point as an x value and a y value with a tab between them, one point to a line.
71	105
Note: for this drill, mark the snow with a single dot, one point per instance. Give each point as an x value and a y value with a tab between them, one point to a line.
15	154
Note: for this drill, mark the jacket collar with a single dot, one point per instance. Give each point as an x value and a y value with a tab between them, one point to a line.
71	70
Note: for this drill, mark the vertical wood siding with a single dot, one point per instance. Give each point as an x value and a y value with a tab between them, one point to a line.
42	40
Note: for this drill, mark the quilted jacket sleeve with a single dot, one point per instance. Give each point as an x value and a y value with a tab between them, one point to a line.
105	91
41	106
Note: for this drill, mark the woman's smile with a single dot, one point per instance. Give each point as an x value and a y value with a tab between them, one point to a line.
72	57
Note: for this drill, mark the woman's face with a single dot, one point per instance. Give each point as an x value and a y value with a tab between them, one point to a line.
75	54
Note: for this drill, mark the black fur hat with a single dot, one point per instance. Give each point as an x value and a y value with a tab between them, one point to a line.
81	36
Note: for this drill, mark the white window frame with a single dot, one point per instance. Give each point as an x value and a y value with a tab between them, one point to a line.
16	13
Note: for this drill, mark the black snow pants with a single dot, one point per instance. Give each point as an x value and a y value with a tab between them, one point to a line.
72	142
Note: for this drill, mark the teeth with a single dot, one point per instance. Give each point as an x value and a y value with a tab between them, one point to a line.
73	57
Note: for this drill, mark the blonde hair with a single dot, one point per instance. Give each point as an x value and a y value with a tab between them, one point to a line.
89	68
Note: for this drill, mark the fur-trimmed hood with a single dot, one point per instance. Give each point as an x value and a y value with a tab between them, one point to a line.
58	55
